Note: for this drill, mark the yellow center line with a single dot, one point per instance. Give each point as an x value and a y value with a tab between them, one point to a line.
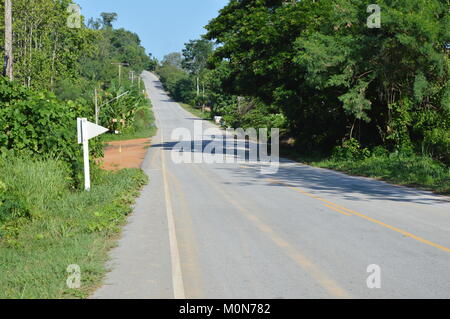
338	207
337	210
327	283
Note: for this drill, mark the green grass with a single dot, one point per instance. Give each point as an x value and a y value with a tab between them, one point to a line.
416	171
62	226
143	127
196	111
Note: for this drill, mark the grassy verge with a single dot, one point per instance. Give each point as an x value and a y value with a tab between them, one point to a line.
143	127
416	171
196	111
45	226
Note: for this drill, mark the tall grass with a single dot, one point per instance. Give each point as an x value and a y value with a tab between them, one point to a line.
64	227
37	182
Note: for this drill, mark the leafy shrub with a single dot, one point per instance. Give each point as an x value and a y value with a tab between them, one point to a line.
179	84
38	125
183	91
133	108
350	150
120	109
379	151
437	144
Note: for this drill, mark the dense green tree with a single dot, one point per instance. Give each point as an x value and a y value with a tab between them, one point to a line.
108	18
46	49
196	54
113	46
174	59
175	79
51	55
95	24
333	78
153	63
170	74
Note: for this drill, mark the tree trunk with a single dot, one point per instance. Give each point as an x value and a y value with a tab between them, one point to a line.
8	41
53	64
203	98
198	88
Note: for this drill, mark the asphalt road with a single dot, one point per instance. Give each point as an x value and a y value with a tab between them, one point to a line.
227	231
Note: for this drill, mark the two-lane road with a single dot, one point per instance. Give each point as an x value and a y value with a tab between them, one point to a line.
227	231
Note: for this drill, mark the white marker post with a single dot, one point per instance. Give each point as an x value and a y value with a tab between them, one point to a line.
86	131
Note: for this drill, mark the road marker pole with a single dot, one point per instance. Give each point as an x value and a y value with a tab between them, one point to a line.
87	173
97	110
86	131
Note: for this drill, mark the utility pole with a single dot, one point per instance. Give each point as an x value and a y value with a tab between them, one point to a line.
96	106
203	98
132	77
8	41
239	100
120	70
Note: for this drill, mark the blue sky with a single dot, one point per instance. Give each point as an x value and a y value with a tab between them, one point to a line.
163	25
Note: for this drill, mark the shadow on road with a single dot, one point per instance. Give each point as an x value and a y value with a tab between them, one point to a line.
316	180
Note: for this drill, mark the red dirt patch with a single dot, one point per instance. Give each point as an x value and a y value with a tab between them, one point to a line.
125	154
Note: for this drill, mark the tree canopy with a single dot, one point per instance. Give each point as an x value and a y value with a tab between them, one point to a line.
333	78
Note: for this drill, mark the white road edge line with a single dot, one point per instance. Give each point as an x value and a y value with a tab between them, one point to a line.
177	277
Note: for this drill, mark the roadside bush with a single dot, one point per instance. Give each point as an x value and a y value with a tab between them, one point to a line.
178	83
350	150
37	125
184	91
437	144
379	151
130	115
123	109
